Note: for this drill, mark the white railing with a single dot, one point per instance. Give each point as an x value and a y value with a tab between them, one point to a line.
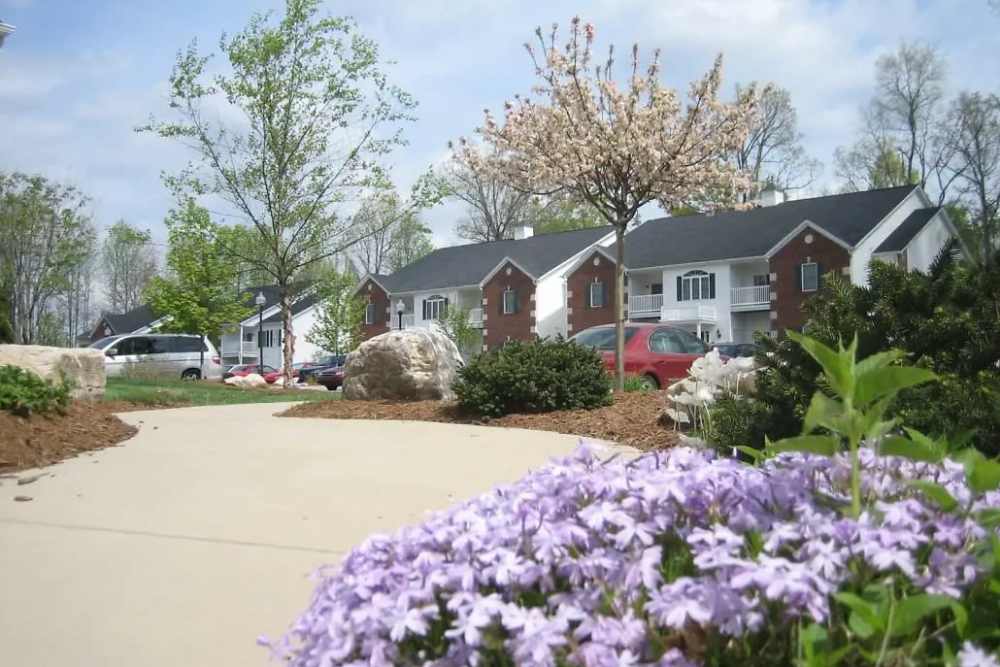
476	317
407	321
645	303
690	314
751	296
250	348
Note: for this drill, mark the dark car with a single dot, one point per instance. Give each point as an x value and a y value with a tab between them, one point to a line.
659	354
736	349
314	367
331	377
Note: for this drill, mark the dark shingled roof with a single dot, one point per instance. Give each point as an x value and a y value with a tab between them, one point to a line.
462	265
735	234
297	307
123	323
907	229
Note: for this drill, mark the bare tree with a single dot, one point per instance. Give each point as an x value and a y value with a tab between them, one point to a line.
975	165
44	235
129	263
772	153
494	207
377	223
411	240
77	297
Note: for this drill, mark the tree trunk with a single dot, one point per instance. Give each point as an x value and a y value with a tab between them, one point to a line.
620	305
288	338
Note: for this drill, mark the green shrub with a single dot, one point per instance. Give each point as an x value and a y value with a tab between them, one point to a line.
735	422
637	383
540	376
22	392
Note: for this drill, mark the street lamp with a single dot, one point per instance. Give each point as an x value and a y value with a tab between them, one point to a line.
400	307
260	301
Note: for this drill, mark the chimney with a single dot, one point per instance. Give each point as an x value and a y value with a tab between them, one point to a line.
770	197
523	232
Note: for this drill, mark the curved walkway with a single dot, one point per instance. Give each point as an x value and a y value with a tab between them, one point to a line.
197	535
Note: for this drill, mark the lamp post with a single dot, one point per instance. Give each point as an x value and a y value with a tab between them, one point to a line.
400	307
260	301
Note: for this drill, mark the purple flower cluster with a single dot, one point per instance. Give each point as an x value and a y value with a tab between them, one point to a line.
597	563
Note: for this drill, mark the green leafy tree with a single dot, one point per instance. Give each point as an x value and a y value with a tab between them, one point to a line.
411	241
562	214
197	295
317	114
340	315
457	327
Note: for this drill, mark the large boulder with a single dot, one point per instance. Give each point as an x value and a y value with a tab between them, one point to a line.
83	367
408	365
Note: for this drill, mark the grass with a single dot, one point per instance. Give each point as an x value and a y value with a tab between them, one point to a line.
165	393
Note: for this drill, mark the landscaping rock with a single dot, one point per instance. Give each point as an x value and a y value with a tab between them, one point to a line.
408	365
83	367
251	381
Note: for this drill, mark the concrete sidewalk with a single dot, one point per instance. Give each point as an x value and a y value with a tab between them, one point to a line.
184	544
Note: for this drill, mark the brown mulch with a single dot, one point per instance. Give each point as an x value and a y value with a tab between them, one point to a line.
633	419
40	440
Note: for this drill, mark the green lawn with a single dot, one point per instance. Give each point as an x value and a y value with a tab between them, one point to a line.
162	392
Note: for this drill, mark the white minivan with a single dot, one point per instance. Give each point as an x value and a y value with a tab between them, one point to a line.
164	355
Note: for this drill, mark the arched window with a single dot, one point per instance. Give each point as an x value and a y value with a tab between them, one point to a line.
695	286
435	308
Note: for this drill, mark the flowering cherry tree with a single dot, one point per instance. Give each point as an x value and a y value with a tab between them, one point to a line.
617	147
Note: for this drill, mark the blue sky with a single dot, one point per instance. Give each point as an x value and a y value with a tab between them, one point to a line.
77	76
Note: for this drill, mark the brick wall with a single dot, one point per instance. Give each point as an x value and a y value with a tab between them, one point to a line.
371	292
787	296
579	314
498	328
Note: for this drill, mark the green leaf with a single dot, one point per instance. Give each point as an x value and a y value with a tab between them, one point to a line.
889	381
912	610
897	445
837	372
935	492
877	361
825	445
984	476
755	454
868	618
989	518
824	411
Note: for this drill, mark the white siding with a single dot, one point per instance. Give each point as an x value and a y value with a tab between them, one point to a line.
927	244
863	252
723	327
550	306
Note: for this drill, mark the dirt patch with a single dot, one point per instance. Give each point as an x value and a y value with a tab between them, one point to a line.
633	419
39	440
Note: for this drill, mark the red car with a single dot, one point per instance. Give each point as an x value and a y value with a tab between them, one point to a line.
243	370
331	377
657	353
274	376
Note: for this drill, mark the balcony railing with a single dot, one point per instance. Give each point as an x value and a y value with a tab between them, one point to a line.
476	317
758	295
249	348
690	314
645	304
407	321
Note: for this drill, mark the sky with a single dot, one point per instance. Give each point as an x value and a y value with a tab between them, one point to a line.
78	76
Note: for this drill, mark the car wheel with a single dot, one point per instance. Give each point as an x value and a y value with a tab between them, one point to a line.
191	374
649	383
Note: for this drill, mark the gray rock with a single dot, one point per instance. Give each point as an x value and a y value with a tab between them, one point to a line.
408	365
83	367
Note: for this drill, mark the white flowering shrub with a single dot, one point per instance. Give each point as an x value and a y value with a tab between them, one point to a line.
689	401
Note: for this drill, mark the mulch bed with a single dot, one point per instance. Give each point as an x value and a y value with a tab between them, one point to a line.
40	440
633	419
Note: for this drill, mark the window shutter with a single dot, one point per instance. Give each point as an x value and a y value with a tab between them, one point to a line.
444	310
423	307
517	301
679	282
604	295
799	269
711	286
819	275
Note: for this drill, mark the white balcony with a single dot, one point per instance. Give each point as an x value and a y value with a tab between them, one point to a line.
690	314
645	305
476	318
407	321
758	295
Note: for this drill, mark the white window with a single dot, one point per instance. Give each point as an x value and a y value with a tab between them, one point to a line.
248	336
760	280
435	308
810	276
695	286
509	301
597	294
370	313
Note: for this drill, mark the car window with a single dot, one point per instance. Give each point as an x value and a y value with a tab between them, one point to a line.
160	344
104	343
665	341
603	338
125	346
690	343
187	344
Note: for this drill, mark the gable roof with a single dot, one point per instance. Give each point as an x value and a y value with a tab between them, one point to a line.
303	303
902	235
123	323
736	234
462	265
